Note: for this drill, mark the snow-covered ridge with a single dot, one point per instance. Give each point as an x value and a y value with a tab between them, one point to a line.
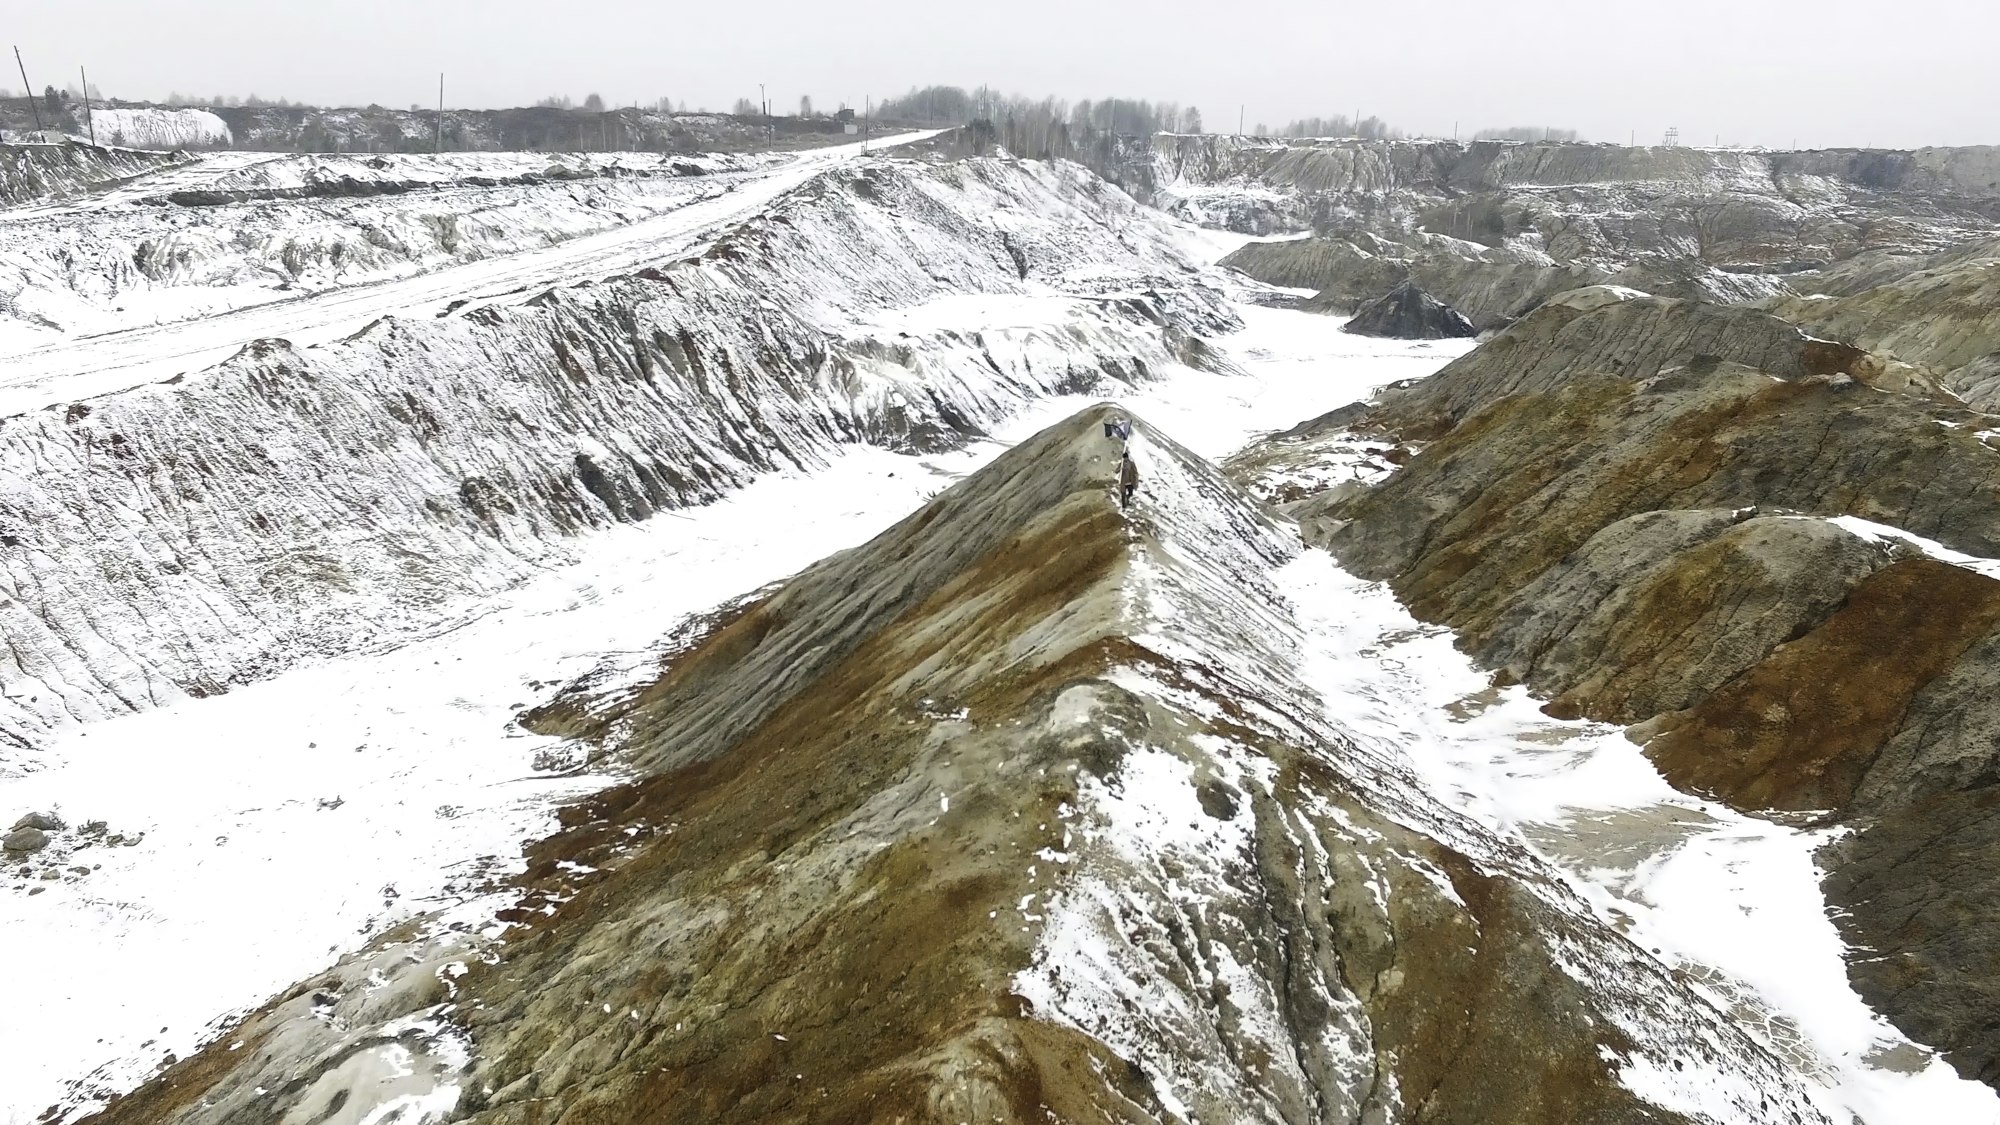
329	174
177	539
273	228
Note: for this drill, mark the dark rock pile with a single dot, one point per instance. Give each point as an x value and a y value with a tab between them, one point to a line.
1408	313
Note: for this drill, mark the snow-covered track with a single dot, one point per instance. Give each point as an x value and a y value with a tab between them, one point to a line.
80	369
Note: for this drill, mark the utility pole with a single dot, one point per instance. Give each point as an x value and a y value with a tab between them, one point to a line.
867	107
1239	120
89	115
28	89
437	135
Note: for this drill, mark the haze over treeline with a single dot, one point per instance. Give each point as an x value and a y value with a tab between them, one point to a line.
1772	73
1046	126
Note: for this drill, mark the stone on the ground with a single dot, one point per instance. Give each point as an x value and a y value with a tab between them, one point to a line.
26	838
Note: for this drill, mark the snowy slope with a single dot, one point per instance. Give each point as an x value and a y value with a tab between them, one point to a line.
391	517
155	127
625	239
1733	900
1105	759
234	229
143	262
298	501
36	172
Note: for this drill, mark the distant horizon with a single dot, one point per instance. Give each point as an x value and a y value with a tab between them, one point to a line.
1778	74
1466	137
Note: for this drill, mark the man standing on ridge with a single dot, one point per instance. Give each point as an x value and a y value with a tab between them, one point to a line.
1128	478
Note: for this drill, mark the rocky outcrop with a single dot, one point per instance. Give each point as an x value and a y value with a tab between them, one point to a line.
1916	889
1490	286
1604	632
1020	811
1943	315
1493	228
1604	330
1526	482
1409	313
1800	729
294	502
1645	510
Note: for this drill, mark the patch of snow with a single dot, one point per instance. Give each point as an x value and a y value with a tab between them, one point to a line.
1873	532
1589	297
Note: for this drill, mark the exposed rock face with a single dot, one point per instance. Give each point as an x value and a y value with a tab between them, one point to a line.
1605	630
1409	313
1493	228
1018	812
1917	889
1624	501
1605	330
1547	457
1801	728
1490	286
1943	315
310	499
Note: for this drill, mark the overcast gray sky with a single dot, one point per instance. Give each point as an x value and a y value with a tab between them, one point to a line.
1827	72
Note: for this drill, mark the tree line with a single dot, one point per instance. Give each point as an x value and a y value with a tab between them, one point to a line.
1528	133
